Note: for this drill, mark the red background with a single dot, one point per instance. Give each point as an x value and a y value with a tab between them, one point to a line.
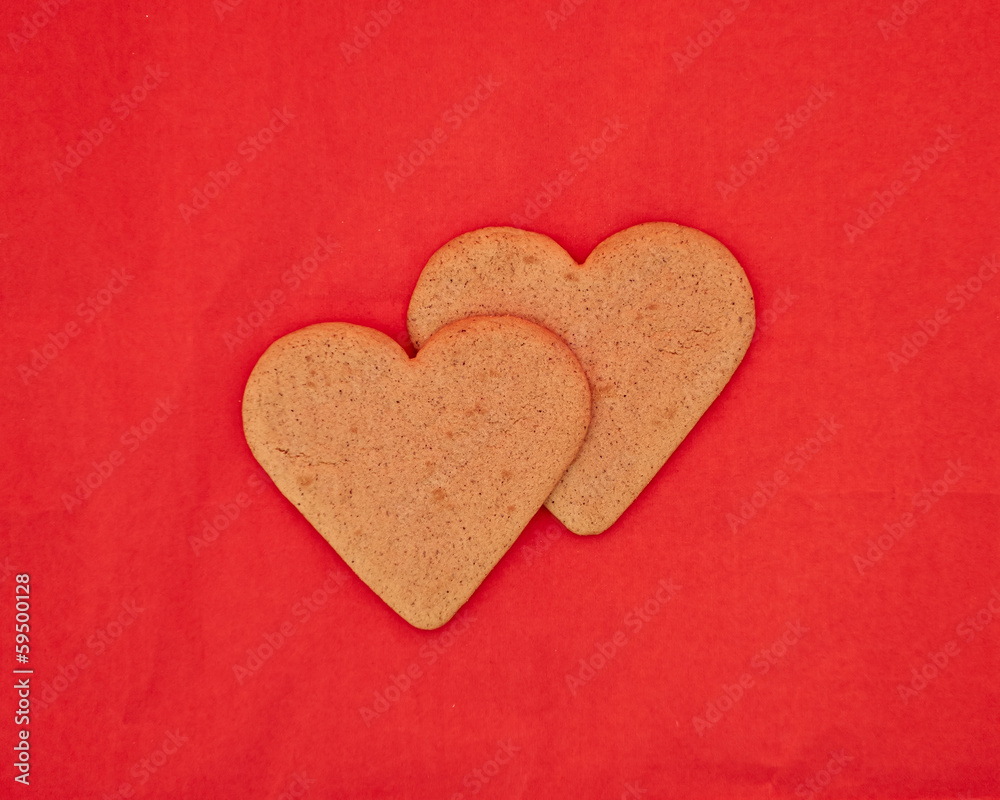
850	299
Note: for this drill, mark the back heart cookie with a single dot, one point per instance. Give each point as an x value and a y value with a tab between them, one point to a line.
659	315
420	473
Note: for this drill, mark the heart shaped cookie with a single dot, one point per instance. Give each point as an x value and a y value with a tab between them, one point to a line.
659	315
419	472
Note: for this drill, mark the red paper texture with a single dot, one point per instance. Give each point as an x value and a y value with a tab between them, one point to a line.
804	602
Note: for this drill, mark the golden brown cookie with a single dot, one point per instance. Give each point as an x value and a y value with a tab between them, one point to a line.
659	315
419	472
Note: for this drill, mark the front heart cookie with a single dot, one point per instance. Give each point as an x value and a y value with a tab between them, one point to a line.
659	315
419	472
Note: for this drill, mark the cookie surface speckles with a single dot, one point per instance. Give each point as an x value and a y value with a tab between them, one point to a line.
419	472
659	315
